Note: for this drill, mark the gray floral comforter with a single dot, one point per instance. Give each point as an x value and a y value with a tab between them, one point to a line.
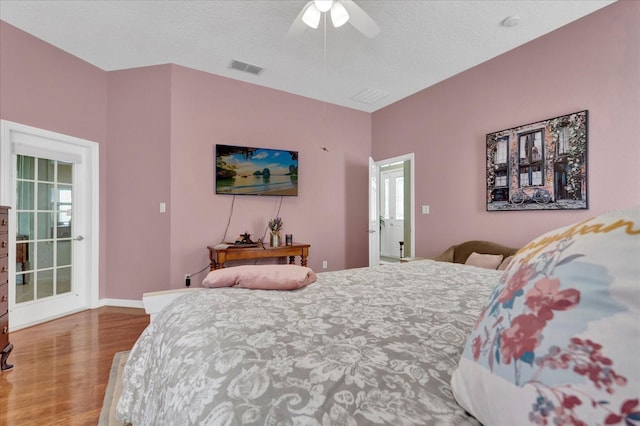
360	346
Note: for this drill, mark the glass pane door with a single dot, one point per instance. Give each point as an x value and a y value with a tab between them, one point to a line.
44	208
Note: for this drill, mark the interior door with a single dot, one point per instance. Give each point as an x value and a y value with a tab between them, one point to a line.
408	221
47	178
374	216
392	211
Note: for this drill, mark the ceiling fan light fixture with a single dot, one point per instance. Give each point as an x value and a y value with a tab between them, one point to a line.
311	16
323	5
339	15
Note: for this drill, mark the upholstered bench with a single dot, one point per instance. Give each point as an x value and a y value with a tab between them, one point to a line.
155	301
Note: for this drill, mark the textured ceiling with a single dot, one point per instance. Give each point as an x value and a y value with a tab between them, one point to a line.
421	42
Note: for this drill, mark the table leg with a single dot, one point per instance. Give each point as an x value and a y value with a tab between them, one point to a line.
217	260
3	358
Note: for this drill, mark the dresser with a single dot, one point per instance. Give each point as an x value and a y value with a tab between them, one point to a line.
5	346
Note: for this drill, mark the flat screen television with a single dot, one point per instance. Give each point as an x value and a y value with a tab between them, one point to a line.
243	170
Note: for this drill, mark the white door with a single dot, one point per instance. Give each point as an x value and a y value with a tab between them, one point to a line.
374	217
392	211
374	203
49	181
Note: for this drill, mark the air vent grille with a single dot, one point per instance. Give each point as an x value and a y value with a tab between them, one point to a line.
243	66
370	96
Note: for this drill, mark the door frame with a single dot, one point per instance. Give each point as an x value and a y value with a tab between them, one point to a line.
374	232
43	141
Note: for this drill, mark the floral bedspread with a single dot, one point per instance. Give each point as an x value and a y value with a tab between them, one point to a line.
360	346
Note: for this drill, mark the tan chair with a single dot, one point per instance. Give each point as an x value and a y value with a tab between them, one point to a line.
460	252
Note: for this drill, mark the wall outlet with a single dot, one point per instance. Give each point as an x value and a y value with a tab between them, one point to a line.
324	264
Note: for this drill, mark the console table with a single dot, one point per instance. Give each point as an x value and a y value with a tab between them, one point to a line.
218	255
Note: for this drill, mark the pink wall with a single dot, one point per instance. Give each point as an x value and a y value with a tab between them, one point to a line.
330	212
138	166
591	64
157	128
45	87
163	123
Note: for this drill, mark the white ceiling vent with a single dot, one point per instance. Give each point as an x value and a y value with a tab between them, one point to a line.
370	96
243	66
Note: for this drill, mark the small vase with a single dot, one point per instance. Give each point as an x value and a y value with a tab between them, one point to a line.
275	239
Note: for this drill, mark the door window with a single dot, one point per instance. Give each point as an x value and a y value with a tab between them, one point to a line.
44	203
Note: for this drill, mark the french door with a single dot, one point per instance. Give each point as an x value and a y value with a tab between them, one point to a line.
376	220
49	181
391	212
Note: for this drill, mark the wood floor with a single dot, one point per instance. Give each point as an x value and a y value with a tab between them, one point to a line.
61	368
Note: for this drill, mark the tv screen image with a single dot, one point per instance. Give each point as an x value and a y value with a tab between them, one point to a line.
242	170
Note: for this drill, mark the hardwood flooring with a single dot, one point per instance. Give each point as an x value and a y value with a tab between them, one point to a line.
61	367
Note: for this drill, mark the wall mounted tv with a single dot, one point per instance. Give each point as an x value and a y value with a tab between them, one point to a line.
242	170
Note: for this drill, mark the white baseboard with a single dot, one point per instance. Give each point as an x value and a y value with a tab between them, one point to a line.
121	303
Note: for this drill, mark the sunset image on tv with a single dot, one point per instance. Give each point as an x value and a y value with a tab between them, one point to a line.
256	171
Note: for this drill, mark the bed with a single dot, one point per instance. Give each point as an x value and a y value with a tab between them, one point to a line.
361	346
552	339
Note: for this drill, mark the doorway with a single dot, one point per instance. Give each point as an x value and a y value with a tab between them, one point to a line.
51	182
391	209
392	222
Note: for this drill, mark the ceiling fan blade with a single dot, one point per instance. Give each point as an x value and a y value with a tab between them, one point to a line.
360	20
298	26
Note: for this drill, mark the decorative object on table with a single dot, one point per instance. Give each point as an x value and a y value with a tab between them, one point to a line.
539	166
245	240
288	239
275	225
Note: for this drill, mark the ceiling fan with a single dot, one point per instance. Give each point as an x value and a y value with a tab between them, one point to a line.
341	12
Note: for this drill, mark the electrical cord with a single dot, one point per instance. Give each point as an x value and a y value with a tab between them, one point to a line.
200	271
233	201
187	281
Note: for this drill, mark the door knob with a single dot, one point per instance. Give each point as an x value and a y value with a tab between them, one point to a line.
79	238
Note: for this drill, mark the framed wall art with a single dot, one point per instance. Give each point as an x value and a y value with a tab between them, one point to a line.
539	166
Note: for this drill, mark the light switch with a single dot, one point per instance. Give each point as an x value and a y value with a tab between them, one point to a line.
425	209
163	207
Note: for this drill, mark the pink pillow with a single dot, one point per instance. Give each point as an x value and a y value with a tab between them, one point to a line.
505	263
265	277
488	261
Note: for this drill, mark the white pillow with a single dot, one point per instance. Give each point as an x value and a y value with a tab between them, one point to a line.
558	341
488	261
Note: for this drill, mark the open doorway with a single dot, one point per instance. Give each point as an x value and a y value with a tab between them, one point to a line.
391	210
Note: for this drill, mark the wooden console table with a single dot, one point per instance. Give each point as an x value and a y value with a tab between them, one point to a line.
218	256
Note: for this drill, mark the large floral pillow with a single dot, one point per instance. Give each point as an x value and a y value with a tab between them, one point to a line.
558	341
